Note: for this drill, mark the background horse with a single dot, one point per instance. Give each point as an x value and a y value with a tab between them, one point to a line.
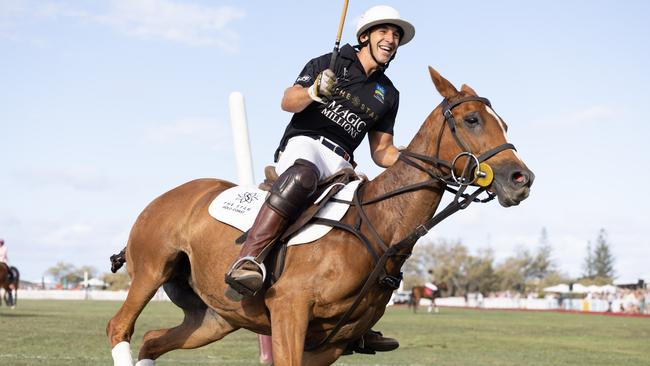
423	292
176	244
9	283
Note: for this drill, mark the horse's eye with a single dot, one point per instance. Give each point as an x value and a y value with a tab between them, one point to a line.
471	120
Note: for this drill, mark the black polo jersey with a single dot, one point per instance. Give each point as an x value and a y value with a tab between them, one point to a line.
359	103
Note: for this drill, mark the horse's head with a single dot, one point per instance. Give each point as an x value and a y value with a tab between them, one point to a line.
442	286
473	133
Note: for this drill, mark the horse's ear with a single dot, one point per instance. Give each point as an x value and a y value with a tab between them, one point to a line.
467	89
445	88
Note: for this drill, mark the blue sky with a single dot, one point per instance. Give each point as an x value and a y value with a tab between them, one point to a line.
104	105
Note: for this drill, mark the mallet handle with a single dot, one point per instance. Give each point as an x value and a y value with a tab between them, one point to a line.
335	53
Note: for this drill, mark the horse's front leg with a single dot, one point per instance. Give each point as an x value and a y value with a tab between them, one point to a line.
289	320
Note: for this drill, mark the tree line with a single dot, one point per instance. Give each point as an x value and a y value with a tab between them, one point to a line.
528	270
450	262
67	275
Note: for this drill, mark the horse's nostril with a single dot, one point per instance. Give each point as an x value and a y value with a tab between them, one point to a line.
519	178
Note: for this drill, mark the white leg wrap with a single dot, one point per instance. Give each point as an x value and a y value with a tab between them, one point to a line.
145	362
122	354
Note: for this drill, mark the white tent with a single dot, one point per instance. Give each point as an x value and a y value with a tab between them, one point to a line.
579	288
610	289
594	289
94	282
561	288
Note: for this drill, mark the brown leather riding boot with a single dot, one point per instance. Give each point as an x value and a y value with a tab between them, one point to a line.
246	276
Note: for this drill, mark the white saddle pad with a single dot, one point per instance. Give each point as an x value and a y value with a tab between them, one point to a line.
238	206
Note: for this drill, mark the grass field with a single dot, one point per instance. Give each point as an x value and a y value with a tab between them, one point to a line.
41	332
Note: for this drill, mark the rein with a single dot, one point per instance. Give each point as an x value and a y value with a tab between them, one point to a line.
461	201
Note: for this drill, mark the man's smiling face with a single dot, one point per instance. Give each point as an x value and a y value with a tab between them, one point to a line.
384	40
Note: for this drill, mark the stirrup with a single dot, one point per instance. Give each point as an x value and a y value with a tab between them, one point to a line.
236	290
248	258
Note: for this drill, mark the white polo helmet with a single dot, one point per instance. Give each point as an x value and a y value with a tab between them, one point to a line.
384	14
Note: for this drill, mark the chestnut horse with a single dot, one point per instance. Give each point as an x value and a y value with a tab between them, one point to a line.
423	292
176	244
9	283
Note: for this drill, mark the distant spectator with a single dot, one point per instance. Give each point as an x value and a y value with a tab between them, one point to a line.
3	252
4	259
630	302
479	299
642	301
610	300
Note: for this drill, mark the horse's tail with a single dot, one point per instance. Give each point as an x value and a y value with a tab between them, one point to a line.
15	274
118	260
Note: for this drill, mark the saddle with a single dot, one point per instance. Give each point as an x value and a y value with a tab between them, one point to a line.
274	257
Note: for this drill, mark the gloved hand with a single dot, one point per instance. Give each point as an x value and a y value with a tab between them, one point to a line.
321	90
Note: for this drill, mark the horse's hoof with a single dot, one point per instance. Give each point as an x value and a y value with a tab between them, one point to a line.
145	362
375	342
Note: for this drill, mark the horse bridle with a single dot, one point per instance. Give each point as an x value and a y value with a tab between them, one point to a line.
461	201
473	162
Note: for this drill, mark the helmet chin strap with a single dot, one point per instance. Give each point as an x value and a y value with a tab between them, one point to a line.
381	66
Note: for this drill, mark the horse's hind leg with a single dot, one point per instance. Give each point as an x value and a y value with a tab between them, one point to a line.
120	327
415	302
146	277
10	298
200	326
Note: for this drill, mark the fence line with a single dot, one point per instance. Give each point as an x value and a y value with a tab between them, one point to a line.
590	305
83	295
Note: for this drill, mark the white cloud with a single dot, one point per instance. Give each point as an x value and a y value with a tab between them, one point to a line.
168	20
16	11
11	8
52	10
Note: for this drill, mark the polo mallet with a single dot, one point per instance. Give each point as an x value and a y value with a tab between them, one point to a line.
335	53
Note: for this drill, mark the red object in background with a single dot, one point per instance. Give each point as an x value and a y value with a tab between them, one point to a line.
266	350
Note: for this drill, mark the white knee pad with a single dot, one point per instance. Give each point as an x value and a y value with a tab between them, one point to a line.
145	362
122	354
